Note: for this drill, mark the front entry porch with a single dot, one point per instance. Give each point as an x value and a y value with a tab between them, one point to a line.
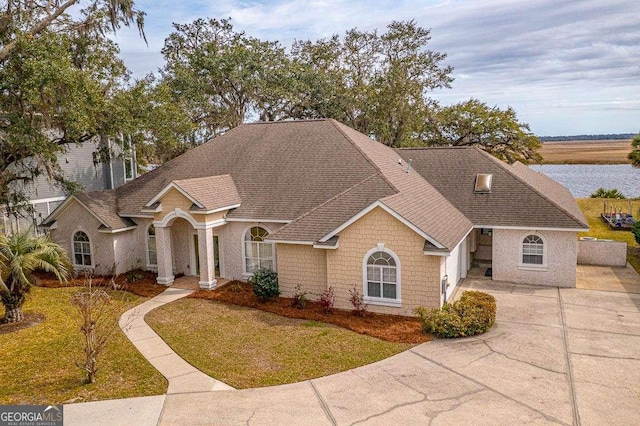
187	247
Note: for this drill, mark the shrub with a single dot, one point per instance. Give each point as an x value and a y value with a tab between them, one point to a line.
134	275
299	298
635	230
607	193
265	284
357	301
473	314
327	300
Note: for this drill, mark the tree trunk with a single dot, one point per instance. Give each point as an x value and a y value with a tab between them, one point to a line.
13	314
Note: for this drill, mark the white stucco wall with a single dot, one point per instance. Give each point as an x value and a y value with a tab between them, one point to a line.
605	253
561	248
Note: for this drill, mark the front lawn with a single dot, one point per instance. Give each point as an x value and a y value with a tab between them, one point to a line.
38	362
592	208
248	348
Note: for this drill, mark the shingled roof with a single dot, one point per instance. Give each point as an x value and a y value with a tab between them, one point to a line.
519	196
319	174
103	204
208	193
281	170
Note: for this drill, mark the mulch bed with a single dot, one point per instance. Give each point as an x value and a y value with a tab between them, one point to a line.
30	319
143	283
392	328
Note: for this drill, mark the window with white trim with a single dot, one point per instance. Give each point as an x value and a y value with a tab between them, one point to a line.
81	249
151	246
532	250
382	277
257	252
128	168
127	157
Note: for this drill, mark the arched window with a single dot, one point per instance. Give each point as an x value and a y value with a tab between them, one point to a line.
81	249
151	246
257	253
382	276
533	250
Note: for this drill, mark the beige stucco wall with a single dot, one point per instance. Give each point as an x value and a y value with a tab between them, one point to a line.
77	218
182	246
172	200
420	274
231	240
304	265
606	253
561	257
130	247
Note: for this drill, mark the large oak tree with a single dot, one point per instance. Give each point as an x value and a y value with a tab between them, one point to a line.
61	83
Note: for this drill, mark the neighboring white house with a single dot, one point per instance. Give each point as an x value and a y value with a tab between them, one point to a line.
326	206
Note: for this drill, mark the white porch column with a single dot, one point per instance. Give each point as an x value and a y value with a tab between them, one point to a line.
207	264
163	250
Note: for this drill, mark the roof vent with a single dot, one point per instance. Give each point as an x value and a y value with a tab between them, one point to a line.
409	165
483	183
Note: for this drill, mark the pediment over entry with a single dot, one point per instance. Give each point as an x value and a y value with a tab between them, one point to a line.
204	195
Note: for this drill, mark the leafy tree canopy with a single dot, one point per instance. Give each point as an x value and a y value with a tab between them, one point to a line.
376	82
62	83
492	129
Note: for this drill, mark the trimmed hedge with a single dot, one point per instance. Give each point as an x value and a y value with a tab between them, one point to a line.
265	284
474	313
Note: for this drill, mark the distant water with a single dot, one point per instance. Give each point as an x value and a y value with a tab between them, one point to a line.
583	179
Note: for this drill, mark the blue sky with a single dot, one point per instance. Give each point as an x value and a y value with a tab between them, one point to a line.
566	66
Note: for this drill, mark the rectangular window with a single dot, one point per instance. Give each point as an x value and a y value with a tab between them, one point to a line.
128	168
373	289
153	255
532	254
389	291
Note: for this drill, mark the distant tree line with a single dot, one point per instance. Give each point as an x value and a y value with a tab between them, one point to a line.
607	137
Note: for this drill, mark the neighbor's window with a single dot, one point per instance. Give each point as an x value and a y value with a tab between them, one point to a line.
532	250
128	168
257	253
129	164
382	277
151	246
81	249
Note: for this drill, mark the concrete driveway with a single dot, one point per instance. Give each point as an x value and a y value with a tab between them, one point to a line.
565	356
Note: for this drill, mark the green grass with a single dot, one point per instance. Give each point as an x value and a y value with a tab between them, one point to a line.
248	348
592	208
38	362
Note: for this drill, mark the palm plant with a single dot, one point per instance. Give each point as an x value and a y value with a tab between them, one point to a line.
607	193
21	254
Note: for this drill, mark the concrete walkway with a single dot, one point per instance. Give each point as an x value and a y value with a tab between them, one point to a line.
554	356
182	376
622	279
